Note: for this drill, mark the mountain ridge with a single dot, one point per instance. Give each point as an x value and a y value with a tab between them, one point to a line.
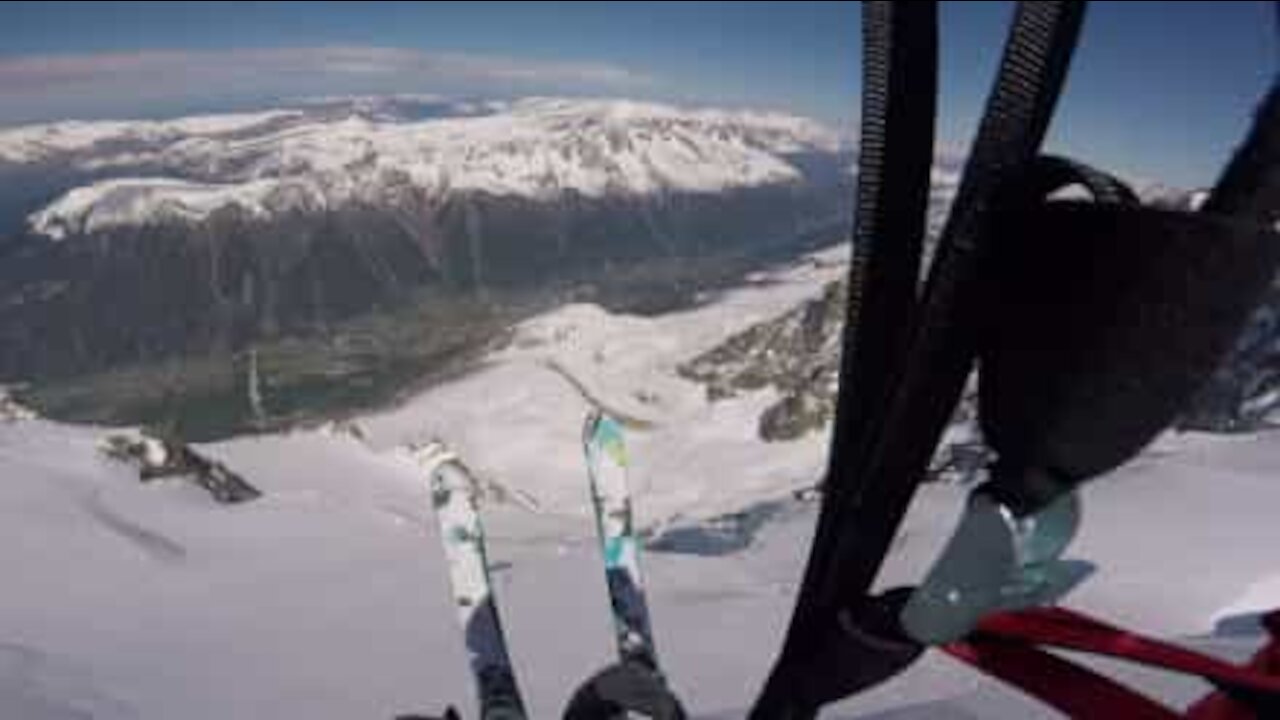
273	162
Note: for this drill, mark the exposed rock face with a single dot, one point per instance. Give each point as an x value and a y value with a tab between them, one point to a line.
12	411
143	294
797	355
1244	394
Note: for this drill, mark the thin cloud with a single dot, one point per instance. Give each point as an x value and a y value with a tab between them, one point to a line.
49	86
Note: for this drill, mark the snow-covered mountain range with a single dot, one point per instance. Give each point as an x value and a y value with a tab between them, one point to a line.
274	162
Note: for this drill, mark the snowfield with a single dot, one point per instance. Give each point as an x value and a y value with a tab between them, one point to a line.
33	143
107	203
327	597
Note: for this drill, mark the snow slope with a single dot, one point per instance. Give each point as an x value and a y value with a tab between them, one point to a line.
518	418
538	148
109	203
326	598
33	143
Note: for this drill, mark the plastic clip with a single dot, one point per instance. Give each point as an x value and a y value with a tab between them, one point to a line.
996	561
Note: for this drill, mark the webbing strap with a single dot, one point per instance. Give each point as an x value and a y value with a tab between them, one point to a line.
1250	186
1010	646
1221	705
1063	685
899	88
894	159
1072	630
1051	173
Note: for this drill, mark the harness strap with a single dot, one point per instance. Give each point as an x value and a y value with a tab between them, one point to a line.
1012	646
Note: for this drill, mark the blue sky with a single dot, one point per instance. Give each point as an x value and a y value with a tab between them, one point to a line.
1159	91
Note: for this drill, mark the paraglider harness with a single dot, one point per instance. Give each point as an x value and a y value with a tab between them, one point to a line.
1092	324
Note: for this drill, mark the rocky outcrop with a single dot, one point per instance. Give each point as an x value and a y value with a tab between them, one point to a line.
12	411
797	356
158	458
1244	394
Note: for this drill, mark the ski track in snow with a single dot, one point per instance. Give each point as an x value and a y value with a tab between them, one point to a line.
153	543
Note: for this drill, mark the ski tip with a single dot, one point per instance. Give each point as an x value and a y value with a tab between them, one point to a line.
604	425
431	454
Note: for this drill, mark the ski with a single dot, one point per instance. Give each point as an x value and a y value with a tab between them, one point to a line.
454	499
635	684
607	467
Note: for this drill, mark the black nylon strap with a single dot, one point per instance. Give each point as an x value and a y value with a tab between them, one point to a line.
1050	173
894	159
899	89
895	155
1250	186
856	529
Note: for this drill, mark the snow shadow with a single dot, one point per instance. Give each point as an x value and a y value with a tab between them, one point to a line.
720	535
1240	625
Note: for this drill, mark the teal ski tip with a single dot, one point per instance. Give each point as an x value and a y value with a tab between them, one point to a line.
607	467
